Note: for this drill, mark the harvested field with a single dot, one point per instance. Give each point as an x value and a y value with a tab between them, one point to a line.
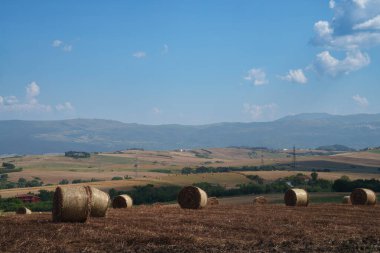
104	186
276	174
244	228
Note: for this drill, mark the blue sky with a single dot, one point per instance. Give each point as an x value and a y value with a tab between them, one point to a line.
188	62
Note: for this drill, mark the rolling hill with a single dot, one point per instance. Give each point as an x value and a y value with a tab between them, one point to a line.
303	130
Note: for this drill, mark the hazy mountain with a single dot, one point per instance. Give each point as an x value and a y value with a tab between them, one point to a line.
303	130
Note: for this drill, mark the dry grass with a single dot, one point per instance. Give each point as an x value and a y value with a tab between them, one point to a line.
52	169
104	186
224	179
273	175
244	228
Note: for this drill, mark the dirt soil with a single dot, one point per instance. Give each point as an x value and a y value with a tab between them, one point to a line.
240	228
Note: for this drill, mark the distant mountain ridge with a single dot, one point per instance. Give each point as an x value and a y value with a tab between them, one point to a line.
302	130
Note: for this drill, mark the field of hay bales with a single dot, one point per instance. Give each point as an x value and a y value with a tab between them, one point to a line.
238	228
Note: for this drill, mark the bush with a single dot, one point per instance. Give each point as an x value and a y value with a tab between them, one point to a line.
117	178
9	166
149	194
344	185
64	181
166	171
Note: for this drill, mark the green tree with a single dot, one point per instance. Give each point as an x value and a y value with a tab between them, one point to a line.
64	181
314	176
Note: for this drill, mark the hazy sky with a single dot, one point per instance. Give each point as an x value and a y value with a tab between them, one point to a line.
188	62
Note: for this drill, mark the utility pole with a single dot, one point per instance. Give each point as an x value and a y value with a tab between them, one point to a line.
136	166
294	157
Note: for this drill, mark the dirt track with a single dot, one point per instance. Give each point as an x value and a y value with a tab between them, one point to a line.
244	228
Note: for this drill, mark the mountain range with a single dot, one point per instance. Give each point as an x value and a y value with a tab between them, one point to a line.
302	130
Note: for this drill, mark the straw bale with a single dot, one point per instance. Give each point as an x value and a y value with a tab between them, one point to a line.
122	201
362	196
296	197
191	197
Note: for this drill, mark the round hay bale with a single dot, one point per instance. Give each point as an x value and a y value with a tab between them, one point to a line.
296	197
260	200
346	200
100	201
362	196
122	201
23	210
71	204
191	197
213	201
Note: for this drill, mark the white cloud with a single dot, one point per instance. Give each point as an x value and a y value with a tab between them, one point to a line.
165	49
11	100
326	64
361	101
345	30
62	45
259	112
361	3
139	54
332	4
32	90
31	104
295	76
67	48
157	110
67	106
373	23
256	76
56	43
323	29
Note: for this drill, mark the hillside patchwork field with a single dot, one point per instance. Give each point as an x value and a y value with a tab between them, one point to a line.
164	167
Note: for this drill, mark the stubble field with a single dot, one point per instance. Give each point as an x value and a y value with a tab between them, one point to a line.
223	228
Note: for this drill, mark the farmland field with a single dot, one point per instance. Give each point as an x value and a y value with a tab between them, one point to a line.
164	167
223	228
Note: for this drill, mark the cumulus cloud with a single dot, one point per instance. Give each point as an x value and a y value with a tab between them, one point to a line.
10	100
326	64
67	106
355	27
56	43
360	101
62	45
295	76
355	24
373	23
165	49
31	103
139	54
157	110
257	76
67	48
332	4
32	90
259	112
361	3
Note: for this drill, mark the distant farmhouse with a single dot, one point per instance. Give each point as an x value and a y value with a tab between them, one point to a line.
28	198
